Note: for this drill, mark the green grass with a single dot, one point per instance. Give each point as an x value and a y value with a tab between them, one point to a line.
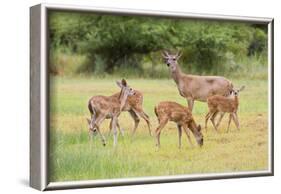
73	157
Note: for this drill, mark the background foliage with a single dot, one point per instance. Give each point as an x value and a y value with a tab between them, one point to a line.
83	43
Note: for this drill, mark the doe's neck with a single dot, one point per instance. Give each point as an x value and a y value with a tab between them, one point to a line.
177	74
122	99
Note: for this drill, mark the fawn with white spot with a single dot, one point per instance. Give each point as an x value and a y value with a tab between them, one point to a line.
134	106
222	104
172	111
108	107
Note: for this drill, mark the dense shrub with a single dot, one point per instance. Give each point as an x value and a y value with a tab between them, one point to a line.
113	42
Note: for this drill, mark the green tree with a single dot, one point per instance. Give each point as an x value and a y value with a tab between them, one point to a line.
111	42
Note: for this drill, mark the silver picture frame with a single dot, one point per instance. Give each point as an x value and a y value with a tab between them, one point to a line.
39	102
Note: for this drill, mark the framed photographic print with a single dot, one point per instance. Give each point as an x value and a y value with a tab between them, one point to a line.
121	97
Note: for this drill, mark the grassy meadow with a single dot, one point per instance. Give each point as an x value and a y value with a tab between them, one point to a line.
73	157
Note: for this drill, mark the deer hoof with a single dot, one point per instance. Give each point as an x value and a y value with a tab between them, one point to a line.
122	132
157	148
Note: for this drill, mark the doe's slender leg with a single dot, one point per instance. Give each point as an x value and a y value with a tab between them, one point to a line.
229	121
221	116
99	120
190	103
158	131
114	121
208	115
144	116
180	134
235	118
188	136
213	120
136	120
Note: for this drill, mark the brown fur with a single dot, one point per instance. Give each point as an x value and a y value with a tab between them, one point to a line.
195	87
223	104
105	107
134	106
172	111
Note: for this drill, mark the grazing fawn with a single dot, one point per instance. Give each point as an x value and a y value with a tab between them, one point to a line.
102	107
134	106
172	111
223	105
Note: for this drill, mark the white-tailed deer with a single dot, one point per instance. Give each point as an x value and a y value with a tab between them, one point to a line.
102	107
172	111
223	105
195	87
134	106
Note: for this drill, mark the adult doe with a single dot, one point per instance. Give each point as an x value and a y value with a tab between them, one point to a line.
102	107
172	111
195	87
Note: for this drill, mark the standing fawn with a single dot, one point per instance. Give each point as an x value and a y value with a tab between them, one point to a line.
134	106
172	111
102	107
223	105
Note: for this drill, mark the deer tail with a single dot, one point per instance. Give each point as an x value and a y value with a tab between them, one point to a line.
155	111
146	115
231	86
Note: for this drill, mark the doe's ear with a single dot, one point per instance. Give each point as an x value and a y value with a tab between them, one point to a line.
199	128
124	82
89	121
119	84
242	88
179	54
165	54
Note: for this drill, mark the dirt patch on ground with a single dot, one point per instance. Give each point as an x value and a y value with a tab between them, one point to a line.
222	141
